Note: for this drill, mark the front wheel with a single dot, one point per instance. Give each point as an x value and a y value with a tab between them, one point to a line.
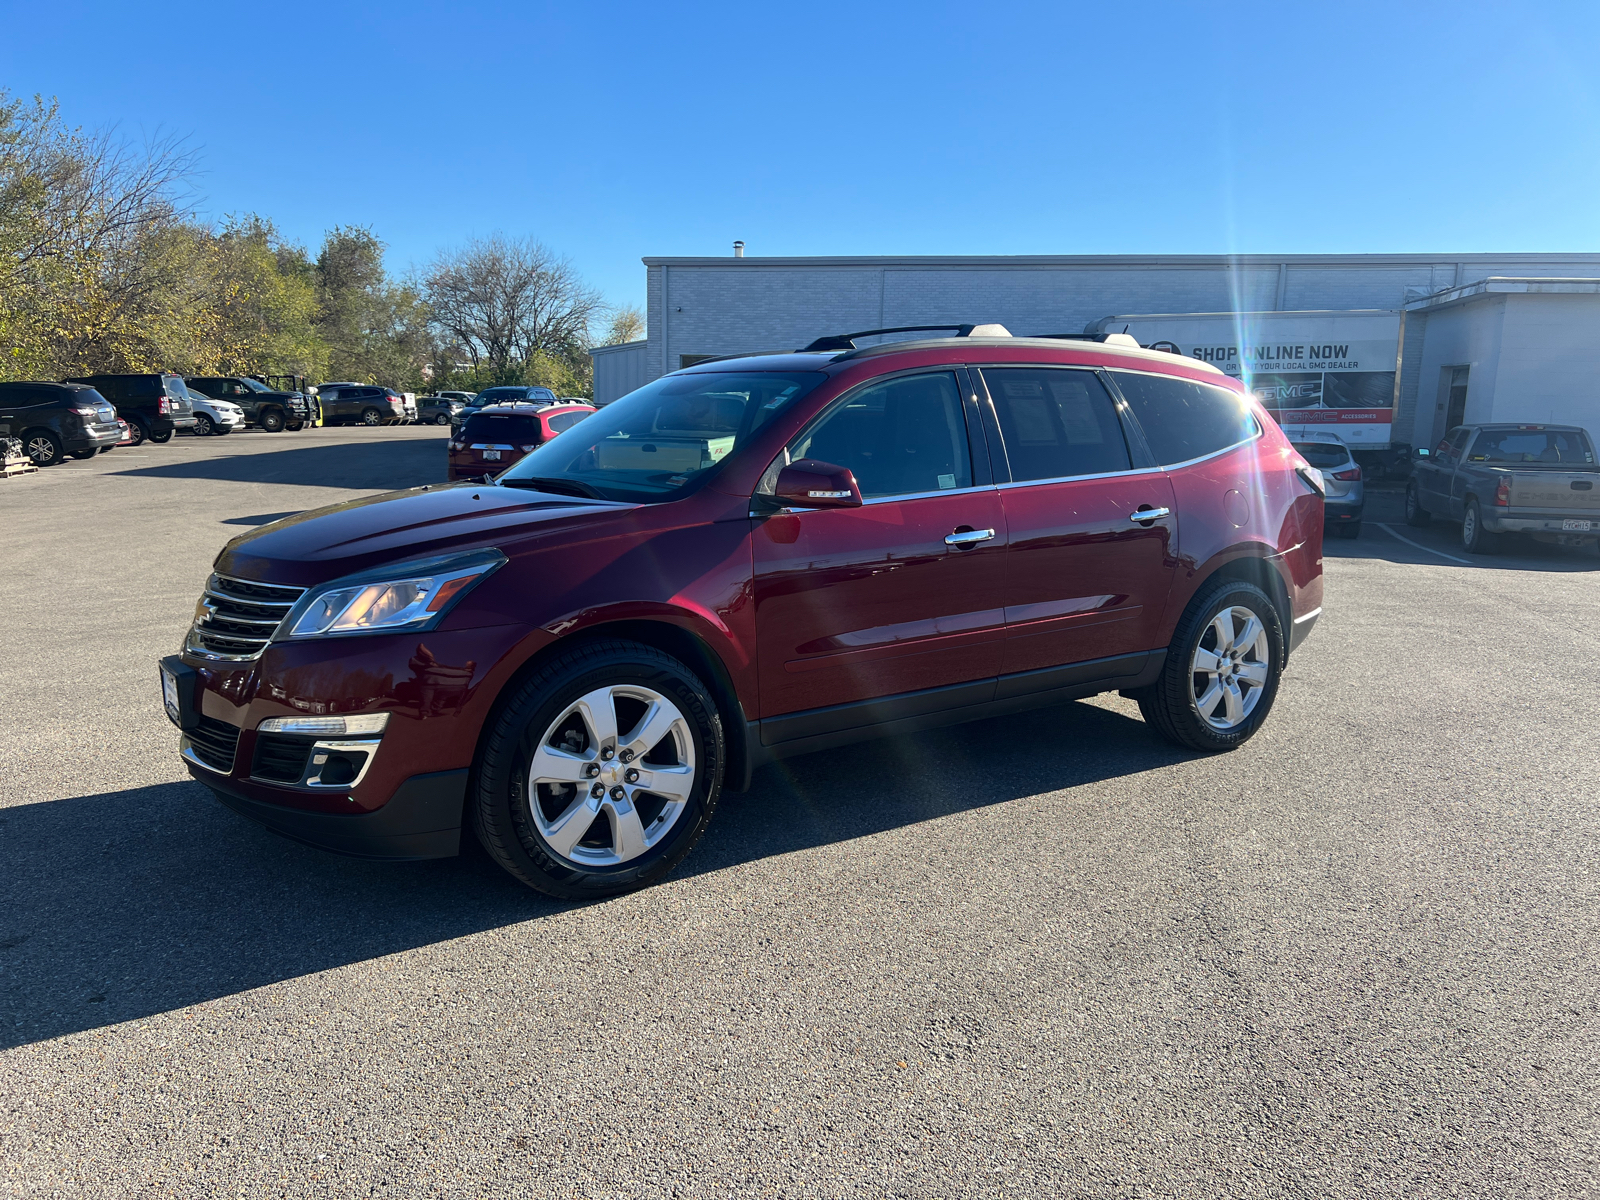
1222	670
1415	513
203	426
1474	537
442	419
601	772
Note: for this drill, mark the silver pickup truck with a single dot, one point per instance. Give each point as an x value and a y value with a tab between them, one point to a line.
1540	480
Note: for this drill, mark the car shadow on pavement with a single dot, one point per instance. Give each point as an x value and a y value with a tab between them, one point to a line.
126	904
1439	545
402	463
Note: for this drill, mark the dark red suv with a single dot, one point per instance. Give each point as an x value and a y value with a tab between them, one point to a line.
746	560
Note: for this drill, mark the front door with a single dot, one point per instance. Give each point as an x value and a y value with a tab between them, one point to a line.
1085	580
855	605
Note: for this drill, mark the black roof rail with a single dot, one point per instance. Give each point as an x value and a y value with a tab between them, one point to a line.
847	341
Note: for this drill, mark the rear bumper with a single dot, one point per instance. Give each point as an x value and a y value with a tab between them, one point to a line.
1543	523
89	439
422	820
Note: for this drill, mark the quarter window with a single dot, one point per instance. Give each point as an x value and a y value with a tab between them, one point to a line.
1056	423
1184	420
900	437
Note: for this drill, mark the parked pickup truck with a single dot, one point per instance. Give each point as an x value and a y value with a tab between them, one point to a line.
1498	479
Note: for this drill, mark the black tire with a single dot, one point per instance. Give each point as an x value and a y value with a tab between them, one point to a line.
1169	705
222	430
371	416
1415	513
442	419
84	455
502	812
137	434
203	426
162	437
1474	537
42	447
1351	529
271	421
296	426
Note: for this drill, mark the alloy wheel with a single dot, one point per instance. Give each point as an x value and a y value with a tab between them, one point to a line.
41	450
1230	667
611	775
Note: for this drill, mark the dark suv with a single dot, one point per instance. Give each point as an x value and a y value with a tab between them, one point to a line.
267	409
52	420
742	561
361	403
154	406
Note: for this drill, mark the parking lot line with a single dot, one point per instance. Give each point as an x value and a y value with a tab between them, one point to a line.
1465	562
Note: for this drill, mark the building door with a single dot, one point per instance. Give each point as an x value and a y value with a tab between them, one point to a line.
1453	395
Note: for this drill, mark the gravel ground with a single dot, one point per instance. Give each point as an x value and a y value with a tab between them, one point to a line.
1046	955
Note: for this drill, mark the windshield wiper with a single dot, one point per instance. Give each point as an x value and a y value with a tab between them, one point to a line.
569	487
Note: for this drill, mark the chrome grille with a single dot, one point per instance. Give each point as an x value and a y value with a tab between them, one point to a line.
237	618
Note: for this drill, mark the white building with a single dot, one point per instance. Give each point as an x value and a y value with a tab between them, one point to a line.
703	307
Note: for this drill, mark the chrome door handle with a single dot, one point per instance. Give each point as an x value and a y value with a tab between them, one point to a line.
1149	514
968	537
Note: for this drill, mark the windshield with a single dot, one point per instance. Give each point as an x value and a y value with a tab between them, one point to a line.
657	442
1548	446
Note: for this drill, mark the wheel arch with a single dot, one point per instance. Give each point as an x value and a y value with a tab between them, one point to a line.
1257	569
671	638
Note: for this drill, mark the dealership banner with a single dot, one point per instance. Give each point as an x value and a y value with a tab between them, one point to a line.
1334	370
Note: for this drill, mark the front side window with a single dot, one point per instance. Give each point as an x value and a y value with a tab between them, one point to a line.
656	443
1183	420
900	437
1056	423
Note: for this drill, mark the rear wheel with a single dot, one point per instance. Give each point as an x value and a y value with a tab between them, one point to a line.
136	434
1415	513
84	455
271	421
1474	537
1222	670
371	416
601	772
442	419
163	436
296	426
1350	530
42	447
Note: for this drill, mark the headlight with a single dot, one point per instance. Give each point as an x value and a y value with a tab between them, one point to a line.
406	596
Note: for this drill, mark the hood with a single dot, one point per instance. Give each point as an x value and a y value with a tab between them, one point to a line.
327	543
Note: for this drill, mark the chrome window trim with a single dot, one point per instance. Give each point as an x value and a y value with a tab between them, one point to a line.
966	491
1076	478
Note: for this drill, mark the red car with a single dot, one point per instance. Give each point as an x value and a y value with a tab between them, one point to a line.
494	438
746	560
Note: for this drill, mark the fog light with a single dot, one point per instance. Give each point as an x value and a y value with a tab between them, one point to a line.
351	726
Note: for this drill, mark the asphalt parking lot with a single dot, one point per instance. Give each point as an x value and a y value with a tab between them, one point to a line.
1046	955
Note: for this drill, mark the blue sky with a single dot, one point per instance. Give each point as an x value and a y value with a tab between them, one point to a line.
616	131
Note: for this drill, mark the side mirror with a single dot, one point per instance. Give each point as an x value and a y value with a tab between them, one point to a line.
807	483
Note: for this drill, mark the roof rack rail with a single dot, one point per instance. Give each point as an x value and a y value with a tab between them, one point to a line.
847	341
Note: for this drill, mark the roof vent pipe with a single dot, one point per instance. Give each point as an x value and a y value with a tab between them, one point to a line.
738	249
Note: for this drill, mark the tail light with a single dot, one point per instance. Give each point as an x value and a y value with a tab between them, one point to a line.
1502	494
164	405
1353	475
455	446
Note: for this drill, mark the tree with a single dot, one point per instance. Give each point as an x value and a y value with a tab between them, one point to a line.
627	325
375	331
502	302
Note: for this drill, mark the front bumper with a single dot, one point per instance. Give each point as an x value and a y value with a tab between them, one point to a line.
422	819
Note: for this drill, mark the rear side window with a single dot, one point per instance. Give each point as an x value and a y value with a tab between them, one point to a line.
562	422
1323	454
900	437
1056	423
1184	420
491	427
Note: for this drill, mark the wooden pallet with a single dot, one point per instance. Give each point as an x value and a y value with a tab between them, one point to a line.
16	466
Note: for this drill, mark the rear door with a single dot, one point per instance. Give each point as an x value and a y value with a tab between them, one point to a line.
1084	580
861	604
